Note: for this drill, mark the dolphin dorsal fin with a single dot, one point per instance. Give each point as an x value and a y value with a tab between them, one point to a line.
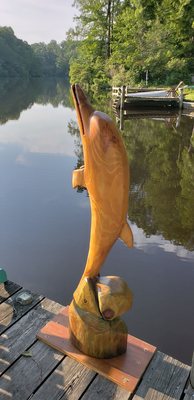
126	235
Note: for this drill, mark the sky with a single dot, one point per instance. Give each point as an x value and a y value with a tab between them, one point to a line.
38	20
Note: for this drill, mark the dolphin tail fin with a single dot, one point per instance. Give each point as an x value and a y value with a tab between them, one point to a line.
126	235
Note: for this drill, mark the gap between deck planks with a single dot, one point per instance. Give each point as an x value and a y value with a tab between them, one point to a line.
48	375
7	289
12	311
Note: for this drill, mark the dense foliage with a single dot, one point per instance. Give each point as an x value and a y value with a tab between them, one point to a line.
16	56
19	59
119	40
114	42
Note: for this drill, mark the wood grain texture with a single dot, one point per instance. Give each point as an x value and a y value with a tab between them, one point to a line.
46	374
102	388
106	176
11	311
165	378
7	289
113	295
95	336
68	381
189	393
27	373
125	370
22	334
192	365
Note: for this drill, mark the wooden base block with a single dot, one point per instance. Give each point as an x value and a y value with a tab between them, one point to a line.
125	370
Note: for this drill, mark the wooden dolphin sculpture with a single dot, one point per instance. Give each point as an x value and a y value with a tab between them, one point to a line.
106	177
95	326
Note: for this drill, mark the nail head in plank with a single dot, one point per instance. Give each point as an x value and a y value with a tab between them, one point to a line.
125	370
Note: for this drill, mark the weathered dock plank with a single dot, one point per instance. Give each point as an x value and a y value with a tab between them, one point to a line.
102	388
22	334
31	370
68	381
11	311
165	377
7	289
189	393
27	373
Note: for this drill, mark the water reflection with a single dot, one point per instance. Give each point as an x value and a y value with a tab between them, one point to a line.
45	225
18	95
162	186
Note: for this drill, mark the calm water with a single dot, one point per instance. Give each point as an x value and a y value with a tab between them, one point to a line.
45	224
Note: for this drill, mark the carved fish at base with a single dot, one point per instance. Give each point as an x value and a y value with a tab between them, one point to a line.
106	176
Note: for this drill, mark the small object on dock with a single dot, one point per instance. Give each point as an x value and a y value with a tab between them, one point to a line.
27	353
192	372
24	298
3	276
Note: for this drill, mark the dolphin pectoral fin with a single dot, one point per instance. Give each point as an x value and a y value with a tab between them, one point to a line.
126	235
78	178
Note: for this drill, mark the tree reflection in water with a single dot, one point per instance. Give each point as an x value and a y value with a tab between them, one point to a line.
18	95
161	158
162	176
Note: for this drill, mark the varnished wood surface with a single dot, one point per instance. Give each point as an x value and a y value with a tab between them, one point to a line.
46	374
101	333
126	370
106	176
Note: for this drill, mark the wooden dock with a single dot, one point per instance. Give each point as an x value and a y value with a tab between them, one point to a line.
126	98
31	370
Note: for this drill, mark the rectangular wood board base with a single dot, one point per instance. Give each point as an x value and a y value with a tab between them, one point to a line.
125	370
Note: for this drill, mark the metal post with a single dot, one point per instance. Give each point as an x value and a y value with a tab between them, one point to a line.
180	98
122	97
122	101
121	120
146	77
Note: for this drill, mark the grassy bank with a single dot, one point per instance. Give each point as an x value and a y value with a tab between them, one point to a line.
189	94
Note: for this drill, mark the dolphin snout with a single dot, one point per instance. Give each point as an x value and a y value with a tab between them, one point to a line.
83	108
80	95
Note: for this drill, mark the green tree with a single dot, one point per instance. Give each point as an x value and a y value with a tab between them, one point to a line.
94	32
16	55
120	40
19	59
